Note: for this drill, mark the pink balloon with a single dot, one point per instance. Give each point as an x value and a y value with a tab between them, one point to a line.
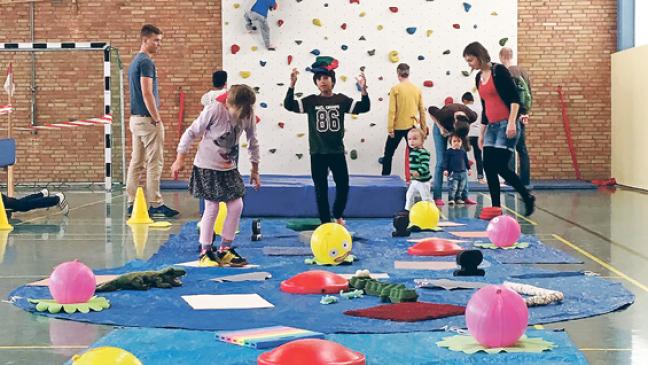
496	316
72	282
504	231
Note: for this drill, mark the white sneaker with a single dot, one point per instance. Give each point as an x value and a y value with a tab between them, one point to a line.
45	193
451	202
63	204
460	201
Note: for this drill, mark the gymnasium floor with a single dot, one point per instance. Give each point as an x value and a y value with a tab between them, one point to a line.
606	229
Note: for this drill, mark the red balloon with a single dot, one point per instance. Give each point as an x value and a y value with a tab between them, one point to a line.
315	282
311	352
434	247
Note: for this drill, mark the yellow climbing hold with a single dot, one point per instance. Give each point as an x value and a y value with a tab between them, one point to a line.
393	56
343	78
363	14
353	116
317	22
244	145
380	27
254	48
494	13
245	74
429	32
237	5
300	135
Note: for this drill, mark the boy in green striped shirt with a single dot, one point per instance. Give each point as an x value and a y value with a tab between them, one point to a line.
419	164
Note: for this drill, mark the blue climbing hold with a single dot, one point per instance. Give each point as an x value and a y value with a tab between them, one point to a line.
315	52
344	47
421	58
262	63
263	105
411	30
467	7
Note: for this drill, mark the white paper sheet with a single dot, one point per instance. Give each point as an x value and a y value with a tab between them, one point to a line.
229	301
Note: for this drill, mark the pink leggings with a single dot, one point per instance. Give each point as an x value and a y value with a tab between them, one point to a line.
234	209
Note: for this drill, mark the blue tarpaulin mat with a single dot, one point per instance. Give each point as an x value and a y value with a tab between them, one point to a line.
585	296
180	347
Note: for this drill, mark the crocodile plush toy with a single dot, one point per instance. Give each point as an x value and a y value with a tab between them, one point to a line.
394	293
144	280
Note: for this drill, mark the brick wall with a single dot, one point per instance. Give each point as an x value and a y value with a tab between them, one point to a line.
564	43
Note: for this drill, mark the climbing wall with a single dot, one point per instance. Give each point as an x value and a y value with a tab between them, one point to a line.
376	34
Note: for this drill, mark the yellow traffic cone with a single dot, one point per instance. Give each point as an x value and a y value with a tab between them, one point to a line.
140	209
4	222
140	238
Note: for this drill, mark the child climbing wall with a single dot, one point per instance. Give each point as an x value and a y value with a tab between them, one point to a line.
376	34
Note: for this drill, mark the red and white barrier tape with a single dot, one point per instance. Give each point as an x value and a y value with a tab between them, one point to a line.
6	109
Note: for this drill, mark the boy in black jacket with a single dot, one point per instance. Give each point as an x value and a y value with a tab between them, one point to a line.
325	136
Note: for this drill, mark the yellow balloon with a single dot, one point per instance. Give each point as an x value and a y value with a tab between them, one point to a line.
331	243
106	356
424	215
220	218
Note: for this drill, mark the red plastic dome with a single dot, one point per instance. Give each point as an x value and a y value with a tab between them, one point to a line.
311	352
434	247
315	282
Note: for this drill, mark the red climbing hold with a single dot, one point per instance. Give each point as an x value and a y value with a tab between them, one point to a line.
290	58
281	125
456	26
280	22
354	2
428	83
449	100
343	26
393	9
235	48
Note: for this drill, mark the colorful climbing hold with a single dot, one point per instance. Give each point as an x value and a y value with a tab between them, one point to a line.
393	9
353	154
446	52
362	140
421	58
411	30
299	42
315	52
281	125
429	33
494	13
300	135
467	7
428	83
371	52
362	14
245	74
354	1
393	57
272	150
344	47
362	38
465	73
256	89
343	26
380	99
503	41
317	22
299	95
372	124
380	78
299	155
380	27
254	48
448	73
235	48
456	26
262	63
343	78
237	5
263	105
280	22
290	59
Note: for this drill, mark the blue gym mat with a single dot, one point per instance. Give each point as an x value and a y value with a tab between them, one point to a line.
159	346
585	296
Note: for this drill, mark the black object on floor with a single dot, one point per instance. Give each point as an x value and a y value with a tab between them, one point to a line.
256	230
469	261
400	226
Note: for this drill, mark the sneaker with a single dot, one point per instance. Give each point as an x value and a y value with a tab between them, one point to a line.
130	210
529	204
163	211
230	257
208	258
45	193
460	201
451	202
63	204
469	201
439	202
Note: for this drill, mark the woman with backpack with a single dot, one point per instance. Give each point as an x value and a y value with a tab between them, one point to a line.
500	126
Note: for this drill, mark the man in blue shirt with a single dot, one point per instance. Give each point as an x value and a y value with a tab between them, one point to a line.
259	14
146	125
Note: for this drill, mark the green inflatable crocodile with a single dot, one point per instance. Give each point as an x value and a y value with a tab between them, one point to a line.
144	280
394	293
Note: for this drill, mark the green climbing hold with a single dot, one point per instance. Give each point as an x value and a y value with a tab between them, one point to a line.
503	41
353	154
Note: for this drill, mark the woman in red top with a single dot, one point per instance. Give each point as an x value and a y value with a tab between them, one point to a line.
500	129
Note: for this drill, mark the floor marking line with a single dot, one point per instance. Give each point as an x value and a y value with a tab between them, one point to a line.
602	263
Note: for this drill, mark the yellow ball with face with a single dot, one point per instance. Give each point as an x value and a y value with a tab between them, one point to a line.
331	243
